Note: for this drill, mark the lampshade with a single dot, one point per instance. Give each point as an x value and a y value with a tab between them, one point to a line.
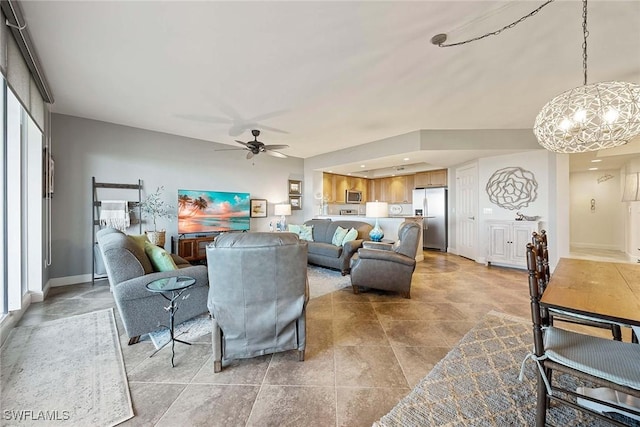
283	209
377	209
590	117
631	187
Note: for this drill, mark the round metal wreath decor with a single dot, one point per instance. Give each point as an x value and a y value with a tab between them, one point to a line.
512	188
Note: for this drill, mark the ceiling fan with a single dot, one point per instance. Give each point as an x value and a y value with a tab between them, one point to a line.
256	147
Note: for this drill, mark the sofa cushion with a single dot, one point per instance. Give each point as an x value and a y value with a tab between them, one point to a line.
139	239
338	236
325	249
351	235
306	232
160	259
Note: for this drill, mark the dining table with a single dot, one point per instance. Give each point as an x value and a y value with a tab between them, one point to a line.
600	289
603	290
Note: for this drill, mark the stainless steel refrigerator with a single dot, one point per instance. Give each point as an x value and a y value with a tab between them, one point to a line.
431	204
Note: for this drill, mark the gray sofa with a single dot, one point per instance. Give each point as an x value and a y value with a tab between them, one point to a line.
258	293
322	252
129	270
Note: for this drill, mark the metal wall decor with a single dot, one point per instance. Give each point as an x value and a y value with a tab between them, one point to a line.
604	178
512	188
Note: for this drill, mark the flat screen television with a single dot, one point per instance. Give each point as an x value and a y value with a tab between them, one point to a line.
212	211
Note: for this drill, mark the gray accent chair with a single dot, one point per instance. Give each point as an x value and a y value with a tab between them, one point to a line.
129	270
386	266
258	292
323	253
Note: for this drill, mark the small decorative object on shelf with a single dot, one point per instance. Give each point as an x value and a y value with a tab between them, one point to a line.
154	207
522	217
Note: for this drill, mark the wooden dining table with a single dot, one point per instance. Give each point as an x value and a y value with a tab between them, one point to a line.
604	290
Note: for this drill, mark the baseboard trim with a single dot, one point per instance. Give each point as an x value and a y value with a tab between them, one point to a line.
69	280
596	246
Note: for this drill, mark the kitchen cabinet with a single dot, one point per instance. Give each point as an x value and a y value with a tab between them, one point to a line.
334	186
393	189
508	240
435	178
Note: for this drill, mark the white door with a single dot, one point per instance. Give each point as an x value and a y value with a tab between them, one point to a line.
467	211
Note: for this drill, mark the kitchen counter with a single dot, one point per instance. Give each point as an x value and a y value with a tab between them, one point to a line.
389	225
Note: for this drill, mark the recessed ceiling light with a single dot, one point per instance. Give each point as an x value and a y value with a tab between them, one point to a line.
405	159
596	160
361	166
365	176
593	169
349	173
393	174
330	171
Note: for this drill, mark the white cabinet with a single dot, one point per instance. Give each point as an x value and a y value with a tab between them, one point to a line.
508	242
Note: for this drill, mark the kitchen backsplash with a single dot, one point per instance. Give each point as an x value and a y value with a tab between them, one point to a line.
395	209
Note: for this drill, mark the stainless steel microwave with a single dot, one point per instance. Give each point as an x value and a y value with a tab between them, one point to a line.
353	196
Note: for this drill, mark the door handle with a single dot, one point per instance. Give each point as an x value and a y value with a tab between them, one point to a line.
471	217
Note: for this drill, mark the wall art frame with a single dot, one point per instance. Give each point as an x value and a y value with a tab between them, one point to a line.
258	208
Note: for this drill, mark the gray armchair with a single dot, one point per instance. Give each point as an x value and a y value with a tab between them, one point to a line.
129	270
388	267
258	292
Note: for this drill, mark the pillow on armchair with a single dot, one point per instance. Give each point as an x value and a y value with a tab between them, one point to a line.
160	259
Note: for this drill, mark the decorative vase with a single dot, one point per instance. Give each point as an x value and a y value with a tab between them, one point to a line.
156	237
376	234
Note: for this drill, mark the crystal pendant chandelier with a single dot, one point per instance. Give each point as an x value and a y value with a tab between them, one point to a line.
590	117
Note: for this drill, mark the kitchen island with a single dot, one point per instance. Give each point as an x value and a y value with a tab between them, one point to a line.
389	226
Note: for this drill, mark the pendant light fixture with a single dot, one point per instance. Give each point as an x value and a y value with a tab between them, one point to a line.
587	118
590	117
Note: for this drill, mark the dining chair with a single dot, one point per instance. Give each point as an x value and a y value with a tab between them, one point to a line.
539	241
603	362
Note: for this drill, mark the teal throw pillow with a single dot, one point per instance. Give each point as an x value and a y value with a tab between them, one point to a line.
160	259
306	232
351	235
338	236
294	228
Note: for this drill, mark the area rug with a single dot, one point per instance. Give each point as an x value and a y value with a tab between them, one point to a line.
476	384
66	372
321	282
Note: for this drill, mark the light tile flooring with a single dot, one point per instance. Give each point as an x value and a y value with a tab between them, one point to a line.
597	254
364	352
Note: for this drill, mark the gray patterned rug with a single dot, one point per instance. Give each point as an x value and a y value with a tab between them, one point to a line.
66	372
476	384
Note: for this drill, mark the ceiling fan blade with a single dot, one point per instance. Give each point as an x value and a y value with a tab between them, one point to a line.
249	155
243	143
269	128
265	116
229	149
275	147
203	118
276	154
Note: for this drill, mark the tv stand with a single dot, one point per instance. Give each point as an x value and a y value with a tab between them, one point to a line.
193	249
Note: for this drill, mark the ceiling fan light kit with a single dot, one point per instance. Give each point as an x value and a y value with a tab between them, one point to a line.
587	118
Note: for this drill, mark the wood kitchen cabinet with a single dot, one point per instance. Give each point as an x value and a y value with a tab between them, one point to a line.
435	178
334	186
393	189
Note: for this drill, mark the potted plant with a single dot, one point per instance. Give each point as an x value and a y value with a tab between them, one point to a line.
154	207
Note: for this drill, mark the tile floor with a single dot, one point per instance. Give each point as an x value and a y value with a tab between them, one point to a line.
364	352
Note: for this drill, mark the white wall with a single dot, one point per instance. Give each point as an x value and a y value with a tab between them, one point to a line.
119	154
603	227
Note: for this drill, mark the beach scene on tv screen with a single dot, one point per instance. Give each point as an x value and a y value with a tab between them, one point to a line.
209	211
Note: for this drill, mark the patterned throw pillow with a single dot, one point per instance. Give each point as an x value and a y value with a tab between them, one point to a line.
160	259
338	236
351	235
306	232
294	228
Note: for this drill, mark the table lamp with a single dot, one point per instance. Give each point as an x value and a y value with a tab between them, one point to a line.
377	210
282	210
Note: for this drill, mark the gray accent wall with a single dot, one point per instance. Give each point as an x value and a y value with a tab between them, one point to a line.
84	148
